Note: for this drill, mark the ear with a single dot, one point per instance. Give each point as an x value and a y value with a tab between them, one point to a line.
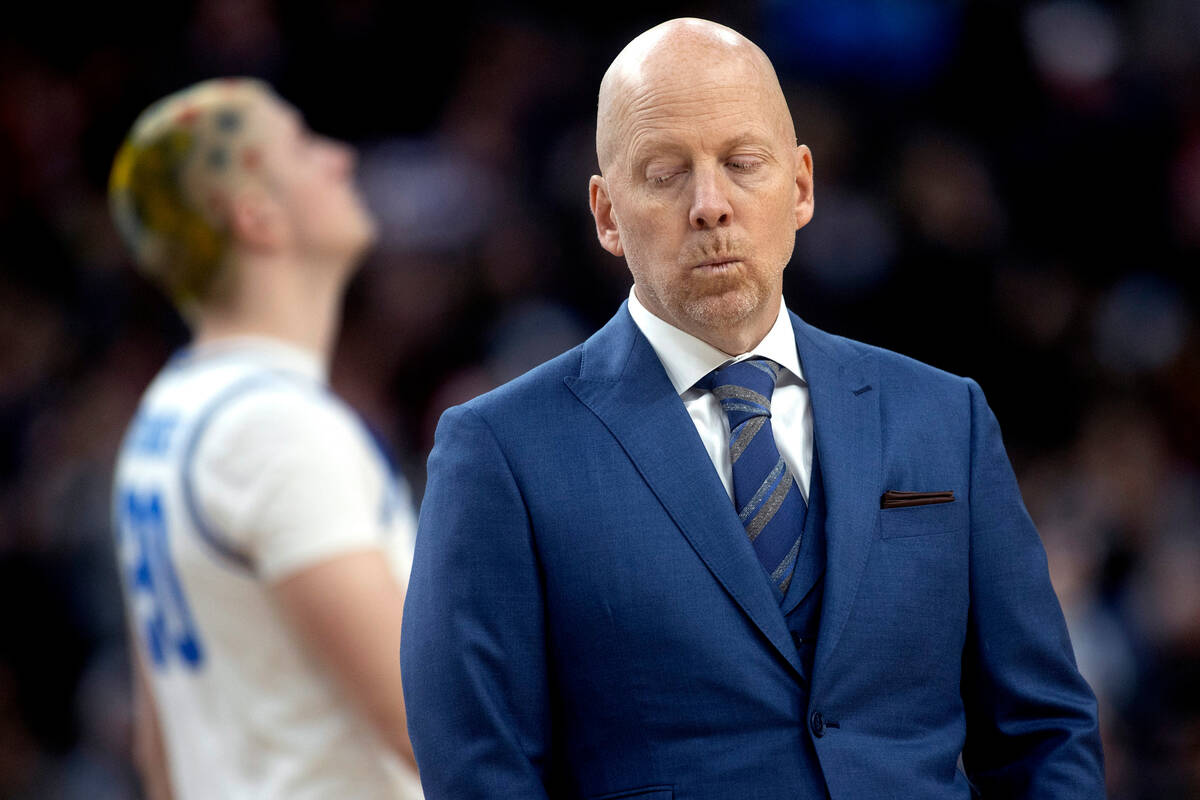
804	186
256	220
606	220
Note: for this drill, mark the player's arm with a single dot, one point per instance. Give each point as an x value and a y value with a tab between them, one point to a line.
348	610
474	648
1032	729
292	472
149	753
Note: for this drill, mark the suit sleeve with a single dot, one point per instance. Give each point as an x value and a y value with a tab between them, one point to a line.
1032	728
473	642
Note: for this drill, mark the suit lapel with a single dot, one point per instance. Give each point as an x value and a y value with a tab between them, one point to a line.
844	390
623	382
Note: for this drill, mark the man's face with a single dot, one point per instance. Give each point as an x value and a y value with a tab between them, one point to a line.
312	179
703	189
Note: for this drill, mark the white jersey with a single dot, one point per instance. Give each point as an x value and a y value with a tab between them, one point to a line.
240	468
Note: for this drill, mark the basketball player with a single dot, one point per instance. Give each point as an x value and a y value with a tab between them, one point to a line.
264	542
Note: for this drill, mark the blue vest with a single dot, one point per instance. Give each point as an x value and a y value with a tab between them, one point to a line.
802	611
801	605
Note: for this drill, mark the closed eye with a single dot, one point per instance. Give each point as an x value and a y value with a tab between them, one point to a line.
743	165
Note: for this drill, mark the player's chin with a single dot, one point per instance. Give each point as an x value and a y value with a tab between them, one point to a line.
370	231
363	234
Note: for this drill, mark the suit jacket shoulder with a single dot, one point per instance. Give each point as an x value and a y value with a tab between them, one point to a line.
603	356
531	387
891	365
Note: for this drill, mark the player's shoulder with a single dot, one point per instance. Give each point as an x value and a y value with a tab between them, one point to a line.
235	404
275	410
195	382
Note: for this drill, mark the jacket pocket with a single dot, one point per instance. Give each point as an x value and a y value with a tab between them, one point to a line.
926	520
644	793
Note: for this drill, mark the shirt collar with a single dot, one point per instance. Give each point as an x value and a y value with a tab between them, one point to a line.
688	359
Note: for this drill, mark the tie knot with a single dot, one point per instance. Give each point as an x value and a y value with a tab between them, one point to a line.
744	388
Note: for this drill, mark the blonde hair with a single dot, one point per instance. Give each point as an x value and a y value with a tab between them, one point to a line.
179	240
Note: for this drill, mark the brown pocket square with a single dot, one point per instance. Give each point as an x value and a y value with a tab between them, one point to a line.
893	499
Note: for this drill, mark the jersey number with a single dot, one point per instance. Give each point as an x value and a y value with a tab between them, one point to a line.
156	595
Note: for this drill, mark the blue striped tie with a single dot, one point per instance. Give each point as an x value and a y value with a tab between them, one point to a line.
765	494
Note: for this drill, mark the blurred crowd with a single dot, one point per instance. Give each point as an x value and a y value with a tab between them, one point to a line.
1006	190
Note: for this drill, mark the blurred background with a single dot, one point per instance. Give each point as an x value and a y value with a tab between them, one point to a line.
1007	190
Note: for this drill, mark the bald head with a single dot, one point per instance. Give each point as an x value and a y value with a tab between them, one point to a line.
654	68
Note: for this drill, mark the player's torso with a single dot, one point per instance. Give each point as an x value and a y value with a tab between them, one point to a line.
244	710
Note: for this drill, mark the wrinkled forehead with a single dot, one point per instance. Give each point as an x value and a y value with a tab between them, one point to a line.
688	79
679	90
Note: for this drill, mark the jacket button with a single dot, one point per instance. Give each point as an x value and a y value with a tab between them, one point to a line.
818	724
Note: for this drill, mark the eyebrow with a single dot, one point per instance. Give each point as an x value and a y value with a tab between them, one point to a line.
652	146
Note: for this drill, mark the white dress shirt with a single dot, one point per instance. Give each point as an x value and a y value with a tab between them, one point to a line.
688	359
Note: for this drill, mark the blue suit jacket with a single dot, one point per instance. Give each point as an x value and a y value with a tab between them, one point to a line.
586	617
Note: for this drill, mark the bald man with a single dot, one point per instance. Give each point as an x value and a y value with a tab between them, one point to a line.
714	552
264	542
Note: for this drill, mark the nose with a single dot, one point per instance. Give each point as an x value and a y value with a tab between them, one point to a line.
710	202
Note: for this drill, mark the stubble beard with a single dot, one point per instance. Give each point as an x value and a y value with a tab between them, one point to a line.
714	305
725	306
721	303
709	307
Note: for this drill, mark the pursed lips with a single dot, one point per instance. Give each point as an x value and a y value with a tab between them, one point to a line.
717	264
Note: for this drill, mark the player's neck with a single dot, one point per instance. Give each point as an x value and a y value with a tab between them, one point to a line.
288	302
